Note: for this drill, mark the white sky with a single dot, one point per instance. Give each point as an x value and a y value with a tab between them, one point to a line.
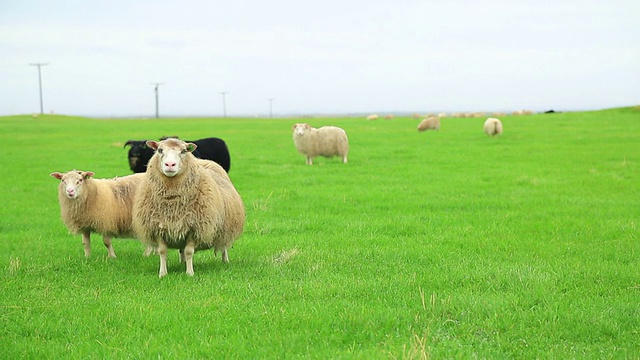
331	56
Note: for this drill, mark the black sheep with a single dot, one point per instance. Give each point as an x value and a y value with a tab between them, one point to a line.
214	149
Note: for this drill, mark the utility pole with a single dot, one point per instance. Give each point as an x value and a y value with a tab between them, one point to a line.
271	107
224	103
157	100
39	65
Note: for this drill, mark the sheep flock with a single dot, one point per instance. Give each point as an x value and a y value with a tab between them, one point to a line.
180	195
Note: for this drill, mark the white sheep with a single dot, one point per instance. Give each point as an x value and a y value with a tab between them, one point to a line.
493	126
102	206
327	141
372	117
186	203
430	123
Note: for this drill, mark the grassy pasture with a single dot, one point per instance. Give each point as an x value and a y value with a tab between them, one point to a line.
444	244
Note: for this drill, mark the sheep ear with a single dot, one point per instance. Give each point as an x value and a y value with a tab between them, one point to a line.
88	174
152	144
56	175
191	147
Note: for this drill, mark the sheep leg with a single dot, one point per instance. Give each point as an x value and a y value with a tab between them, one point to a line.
182	257
107	243
86	242
309	160
148	250
162	251
344	159
225	256
189	249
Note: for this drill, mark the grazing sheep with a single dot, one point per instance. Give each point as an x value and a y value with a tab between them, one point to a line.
186	203
493	127
212	148
522	112
389	117
430	123
100	206
372	117
327	141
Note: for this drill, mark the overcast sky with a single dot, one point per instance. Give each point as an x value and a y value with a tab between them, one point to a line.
330	56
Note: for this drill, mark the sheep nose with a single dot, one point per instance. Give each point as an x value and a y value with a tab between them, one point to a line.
170	164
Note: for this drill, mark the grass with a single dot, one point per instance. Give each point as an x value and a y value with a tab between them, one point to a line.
444	244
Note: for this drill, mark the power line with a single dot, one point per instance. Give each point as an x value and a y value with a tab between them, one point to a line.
157	99
39	65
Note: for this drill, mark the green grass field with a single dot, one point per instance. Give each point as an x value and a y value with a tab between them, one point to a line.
446	244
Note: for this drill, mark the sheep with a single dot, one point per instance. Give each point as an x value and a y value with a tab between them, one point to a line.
186	203
327	141
102	206
372	117
522	112
493	126
430	123
212	148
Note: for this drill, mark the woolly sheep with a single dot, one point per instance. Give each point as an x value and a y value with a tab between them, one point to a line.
102	206
372	117
493	126
430	123
327	141
186	203
522	112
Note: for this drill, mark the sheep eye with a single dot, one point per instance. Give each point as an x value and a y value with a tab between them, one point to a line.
160	151
184	151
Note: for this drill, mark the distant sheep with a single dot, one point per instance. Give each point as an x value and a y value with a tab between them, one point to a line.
522	112
493	127
212	148
327	141
102	206
186	203
372	117
430	123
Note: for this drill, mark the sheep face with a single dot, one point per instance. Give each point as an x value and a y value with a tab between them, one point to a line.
139	155
171	153
300	129
71	182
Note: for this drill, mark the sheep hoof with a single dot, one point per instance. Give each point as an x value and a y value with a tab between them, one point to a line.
162	273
